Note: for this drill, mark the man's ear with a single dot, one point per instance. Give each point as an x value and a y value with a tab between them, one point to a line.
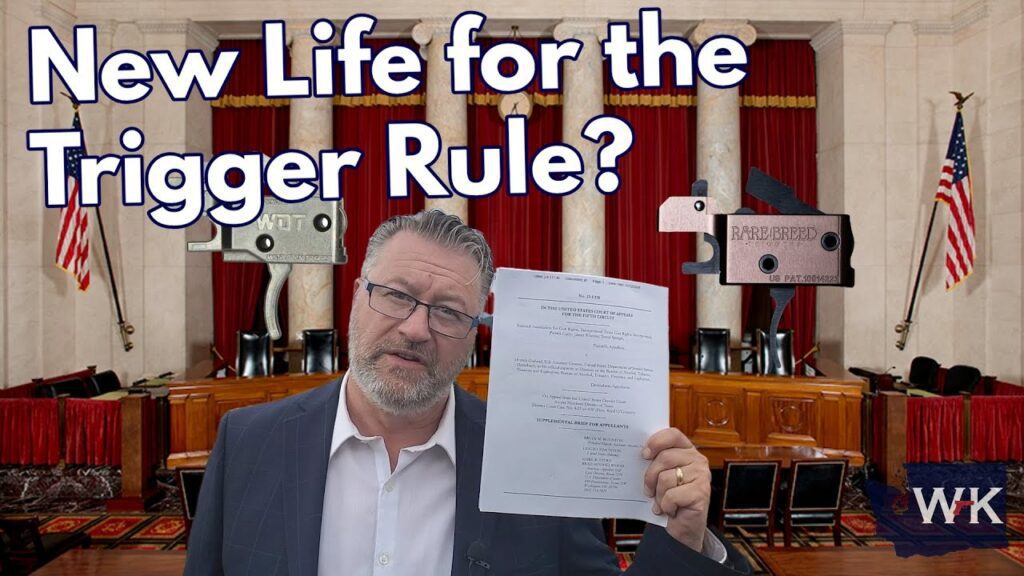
355	290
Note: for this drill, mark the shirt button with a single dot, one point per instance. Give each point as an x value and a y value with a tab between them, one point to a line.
389	487
384	559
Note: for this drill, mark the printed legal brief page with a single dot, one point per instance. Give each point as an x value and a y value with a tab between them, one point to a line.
578	383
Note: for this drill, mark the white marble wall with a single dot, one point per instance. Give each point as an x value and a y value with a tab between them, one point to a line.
831	317
884	116
852	135
50	327
1004	172
33	284
4	49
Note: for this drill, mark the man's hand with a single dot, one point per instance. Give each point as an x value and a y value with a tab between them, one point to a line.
683	496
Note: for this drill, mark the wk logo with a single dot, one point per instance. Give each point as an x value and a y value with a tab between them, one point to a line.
951	508
943	508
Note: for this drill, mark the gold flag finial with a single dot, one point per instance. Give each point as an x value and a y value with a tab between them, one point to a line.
74	103
960	99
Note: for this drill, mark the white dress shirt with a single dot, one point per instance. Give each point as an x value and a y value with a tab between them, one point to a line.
402	523
383	523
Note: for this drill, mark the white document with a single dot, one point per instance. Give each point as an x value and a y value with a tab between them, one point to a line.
578	383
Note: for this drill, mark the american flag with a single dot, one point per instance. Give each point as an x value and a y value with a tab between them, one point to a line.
956	191
73	241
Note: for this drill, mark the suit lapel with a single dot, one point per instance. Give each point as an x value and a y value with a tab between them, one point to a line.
472	527
307	437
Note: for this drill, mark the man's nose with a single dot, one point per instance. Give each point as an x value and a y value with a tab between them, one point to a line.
416	328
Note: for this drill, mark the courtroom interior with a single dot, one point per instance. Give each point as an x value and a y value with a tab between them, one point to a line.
122	347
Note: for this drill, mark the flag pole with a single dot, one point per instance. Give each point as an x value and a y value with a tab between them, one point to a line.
126	328
903	328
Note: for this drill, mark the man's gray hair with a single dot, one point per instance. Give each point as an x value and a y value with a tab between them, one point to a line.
444	229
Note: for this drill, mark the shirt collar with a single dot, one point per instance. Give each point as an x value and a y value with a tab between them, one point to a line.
444	436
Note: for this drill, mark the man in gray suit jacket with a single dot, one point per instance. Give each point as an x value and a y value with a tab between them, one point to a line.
359	476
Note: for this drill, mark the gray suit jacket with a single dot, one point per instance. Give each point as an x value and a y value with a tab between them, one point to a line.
259	510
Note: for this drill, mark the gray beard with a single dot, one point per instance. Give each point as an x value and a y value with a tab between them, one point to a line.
398	391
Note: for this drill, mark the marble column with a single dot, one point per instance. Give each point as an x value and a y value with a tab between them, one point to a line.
718	162
445	111
310	286
854	129
583	249
174	319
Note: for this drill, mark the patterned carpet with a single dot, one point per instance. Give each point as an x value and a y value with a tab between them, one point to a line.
124	531
70	499
167	532
859	529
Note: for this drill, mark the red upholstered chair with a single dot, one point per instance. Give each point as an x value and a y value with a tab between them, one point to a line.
815	496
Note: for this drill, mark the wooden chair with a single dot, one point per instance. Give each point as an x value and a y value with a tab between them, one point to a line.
815	496
623	533
190	481
749	496
23	549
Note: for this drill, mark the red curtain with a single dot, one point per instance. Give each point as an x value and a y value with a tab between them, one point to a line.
92	432
523	231
935	428
997	428
29	431
877	427
365	189
662	163
243	123
778	135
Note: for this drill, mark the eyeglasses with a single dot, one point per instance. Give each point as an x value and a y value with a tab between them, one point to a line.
441	319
